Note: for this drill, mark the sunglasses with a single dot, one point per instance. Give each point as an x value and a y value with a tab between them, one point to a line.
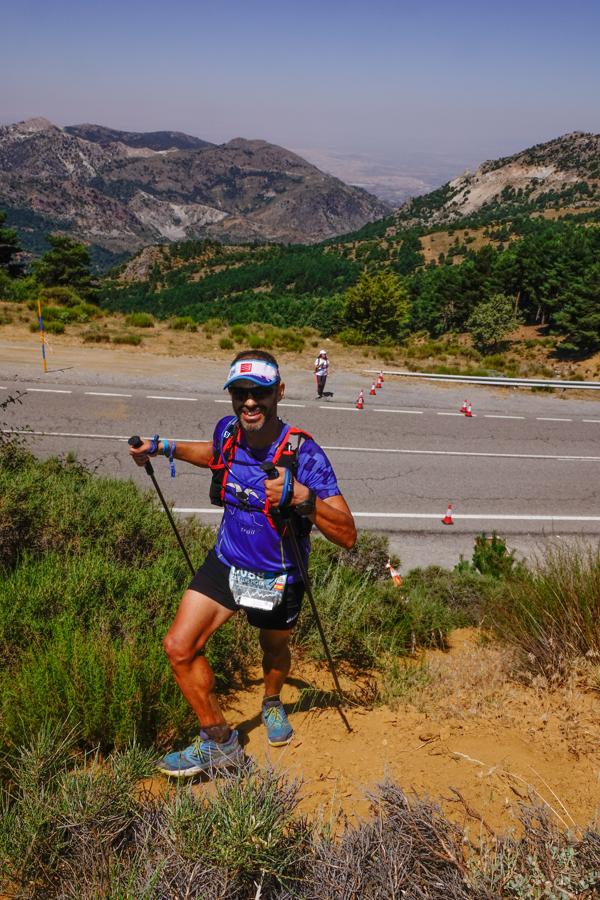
257	393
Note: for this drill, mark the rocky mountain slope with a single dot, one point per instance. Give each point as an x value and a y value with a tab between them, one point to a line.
122	190
559	173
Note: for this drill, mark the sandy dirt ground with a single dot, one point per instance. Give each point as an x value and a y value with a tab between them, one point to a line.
471	739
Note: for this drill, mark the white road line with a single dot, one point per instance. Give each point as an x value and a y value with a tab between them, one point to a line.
407	412
340	408
465	516
192	510
398	450
490	416
104	394
561	457
47	391
591	420
477	516
449	414
549	419
156	397
222	401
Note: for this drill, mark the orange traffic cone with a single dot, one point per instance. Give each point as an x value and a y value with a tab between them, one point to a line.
360	400
463	408
379	382
447	520
469	411
394	574
381	377
373	392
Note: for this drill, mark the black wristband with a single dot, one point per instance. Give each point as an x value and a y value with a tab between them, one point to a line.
308	506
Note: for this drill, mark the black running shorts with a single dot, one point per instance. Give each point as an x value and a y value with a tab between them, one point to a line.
212	580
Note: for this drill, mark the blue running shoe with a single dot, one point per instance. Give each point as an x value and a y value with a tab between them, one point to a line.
203	757
275	720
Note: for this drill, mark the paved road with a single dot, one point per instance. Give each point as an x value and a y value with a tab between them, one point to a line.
525	464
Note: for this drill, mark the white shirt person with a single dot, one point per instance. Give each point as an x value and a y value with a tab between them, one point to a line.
321	372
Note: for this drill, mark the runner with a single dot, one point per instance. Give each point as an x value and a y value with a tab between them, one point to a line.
251	566
321	372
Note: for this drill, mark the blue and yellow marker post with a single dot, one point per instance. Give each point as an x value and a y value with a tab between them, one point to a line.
41	322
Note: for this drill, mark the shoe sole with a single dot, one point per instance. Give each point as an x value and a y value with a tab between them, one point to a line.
280	743
202	770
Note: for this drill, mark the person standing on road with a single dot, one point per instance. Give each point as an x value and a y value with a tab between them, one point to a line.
321	372
252	565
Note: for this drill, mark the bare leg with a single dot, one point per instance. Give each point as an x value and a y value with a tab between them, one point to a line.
197	618
277	659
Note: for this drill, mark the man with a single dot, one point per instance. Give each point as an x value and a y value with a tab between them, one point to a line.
252	565
321	371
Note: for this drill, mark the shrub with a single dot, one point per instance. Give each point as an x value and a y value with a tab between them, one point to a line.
133	339
183	323
54	327
91	577
260	342
96	337
351	337
491	557
211	326
139	320
5	319
63	296
226	343
552	614
290	340
238	334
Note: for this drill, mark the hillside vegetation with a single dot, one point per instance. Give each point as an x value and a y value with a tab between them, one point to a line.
89	578
547	269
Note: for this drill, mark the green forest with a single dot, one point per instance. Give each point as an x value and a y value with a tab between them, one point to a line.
373	287
547	271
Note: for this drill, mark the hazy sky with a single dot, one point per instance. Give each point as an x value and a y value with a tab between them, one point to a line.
465	80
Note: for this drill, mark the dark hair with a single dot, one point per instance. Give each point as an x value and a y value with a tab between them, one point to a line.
255	354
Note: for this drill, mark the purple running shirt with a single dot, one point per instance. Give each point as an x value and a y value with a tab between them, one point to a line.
246	539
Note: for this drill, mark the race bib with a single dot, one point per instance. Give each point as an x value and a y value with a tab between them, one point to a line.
257	590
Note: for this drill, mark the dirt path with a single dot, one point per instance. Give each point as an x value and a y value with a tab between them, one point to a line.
469	733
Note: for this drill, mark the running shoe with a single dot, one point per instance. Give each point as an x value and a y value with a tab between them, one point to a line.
203	757
275	720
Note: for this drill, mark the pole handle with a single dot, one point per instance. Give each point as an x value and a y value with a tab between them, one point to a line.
135	441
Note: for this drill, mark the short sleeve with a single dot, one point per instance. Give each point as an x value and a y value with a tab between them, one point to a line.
221	433
315	471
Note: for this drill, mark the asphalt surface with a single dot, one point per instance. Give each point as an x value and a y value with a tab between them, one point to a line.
526	464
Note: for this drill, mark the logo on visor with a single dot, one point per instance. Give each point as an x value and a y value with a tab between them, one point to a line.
246	367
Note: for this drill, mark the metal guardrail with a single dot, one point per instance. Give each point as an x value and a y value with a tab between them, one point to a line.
495	381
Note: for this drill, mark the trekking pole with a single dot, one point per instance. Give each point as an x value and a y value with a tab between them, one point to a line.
136	441
272	472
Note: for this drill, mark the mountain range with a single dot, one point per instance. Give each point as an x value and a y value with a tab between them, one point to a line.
123	190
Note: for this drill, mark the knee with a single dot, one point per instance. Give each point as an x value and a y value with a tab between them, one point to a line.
179	652
274	647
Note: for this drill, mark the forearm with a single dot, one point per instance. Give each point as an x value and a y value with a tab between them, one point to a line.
334	523
198	453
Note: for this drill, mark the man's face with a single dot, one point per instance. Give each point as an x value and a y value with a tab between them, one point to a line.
255	406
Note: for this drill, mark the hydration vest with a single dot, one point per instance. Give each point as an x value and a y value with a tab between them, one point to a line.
285	455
